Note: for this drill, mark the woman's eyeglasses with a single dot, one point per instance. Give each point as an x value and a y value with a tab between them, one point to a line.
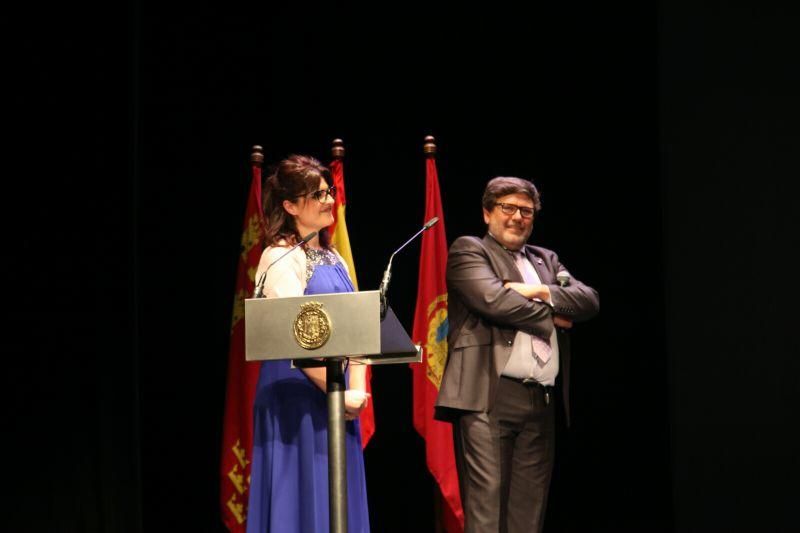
322	194
510	209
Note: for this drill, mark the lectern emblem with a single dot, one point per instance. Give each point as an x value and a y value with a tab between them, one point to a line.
312	327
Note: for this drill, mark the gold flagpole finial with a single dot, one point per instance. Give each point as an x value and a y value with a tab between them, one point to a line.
338	149
429	148
257	155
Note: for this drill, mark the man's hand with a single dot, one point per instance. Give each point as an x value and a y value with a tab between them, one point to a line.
562	322
355	401
541	292
529	291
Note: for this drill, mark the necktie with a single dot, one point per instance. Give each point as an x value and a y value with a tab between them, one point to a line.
540	347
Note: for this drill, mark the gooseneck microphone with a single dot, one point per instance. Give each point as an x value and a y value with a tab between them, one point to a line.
259	291
387	274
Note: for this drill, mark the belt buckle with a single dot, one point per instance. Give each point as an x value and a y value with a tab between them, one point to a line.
531	381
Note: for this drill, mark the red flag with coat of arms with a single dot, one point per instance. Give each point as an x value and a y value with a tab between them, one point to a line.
430	331
237	438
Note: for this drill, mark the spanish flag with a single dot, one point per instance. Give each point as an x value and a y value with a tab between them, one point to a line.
341	241
430	332
237	437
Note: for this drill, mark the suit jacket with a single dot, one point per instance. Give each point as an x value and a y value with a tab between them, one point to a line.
484	318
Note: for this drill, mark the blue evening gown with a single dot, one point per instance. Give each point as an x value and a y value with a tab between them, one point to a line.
289	474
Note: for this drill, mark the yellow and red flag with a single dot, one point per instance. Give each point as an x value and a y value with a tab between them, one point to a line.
430	331
237	435
341	240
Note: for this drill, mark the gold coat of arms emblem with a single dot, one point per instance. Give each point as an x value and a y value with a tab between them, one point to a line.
312	326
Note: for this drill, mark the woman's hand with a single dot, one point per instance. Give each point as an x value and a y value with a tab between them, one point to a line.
355	400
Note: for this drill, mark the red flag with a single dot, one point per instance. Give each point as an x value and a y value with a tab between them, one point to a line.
341	240
237	437
430	331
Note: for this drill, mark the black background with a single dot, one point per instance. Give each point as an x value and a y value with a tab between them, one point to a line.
662	138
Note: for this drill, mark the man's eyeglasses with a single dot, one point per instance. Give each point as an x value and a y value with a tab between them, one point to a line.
322	194
510	209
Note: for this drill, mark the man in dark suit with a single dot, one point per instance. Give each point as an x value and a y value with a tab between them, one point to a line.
509	306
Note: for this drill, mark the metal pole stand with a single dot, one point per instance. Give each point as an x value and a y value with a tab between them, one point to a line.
337	464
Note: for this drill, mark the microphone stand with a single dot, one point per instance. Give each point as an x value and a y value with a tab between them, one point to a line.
387	274
259	290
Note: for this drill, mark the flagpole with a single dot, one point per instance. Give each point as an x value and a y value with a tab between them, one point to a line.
237	440
337	458
430	329
337	150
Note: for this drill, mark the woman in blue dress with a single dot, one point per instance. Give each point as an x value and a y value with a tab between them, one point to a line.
289	474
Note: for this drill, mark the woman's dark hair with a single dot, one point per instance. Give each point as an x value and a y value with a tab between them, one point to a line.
502	186
293	177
